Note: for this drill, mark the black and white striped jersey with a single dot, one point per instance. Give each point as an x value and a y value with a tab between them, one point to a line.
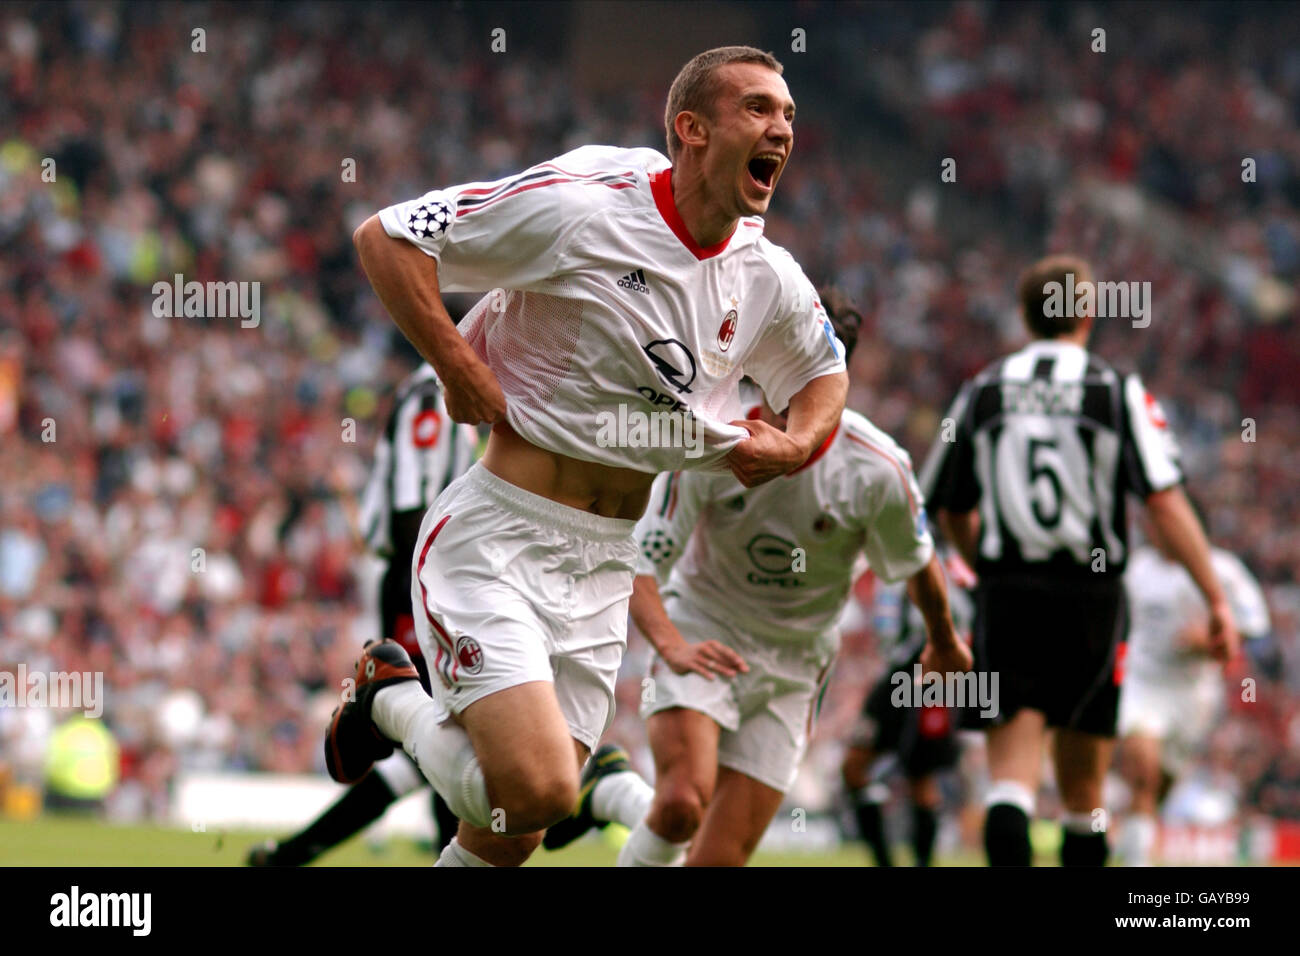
419	454
1047	443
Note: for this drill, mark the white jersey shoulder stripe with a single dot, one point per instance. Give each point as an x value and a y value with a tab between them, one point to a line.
904	472
465	207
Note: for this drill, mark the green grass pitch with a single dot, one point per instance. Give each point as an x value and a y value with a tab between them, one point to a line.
64	841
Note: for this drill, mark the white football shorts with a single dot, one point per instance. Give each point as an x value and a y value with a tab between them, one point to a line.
767	713
509	587
1179	713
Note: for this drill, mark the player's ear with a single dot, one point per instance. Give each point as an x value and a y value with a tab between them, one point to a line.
692	128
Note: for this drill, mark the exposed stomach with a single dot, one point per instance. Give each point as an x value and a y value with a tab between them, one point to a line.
587	486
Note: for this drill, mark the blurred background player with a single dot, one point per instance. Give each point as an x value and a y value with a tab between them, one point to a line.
1031	484
766	573
420	452
1172	695
919	741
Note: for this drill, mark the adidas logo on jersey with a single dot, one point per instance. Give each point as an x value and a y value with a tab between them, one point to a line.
634	280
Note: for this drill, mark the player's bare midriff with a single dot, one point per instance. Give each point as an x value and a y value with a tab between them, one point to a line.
585	485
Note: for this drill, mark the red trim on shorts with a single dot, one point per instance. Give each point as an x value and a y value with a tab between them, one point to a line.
445	644
1121	653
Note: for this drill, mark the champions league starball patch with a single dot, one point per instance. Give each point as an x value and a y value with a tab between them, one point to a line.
430	220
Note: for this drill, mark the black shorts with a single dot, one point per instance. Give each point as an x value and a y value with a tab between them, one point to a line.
1054	646
924	738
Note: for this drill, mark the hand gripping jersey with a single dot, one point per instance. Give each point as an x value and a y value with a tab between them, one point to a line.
778	560
1164	601
603	305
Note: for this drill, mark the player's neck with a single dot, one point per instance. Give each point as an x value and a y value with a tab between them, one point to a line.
701	212
1079	339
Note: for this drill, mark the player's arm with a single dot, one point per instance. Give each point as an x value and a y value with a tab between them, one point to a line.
1153	470
798	362
963	530
474	237
944	649
1170	511
406	281
706	658
676	500
769	452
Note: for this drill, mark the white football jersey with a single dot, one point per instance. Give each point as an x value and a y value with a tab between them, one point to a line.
1163	601
779	559
600	299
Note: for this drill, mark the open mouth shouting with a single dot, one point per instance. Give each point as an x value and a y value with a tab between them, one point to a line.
763	169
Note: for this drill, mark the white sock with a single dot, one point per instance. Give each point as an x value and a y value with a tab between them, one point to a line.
1137	838
622	798
441	750
1013	792
646	848
1080	823
402	778
453	854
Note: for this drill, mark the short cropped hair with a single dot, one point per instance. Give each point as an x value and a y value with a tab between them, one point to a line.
1033	295
696	87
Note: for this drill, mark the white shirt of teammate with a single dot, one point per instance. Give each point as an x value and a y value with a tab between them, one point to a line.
1164	601
778	560
601	297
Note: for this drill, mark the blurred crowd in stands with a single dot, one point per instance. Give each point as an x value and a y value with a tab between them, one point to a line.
178	502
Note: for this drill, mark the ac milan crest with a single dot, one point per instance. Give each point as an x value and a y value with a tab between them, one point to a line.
727	331
469	654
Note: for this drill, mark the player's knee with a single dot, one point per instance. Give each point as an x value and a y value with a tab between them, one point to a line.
679	810
503	850
540	802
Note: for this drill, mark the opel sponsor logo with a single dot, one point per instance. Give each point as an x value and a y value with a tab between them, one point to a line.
674	363
770	553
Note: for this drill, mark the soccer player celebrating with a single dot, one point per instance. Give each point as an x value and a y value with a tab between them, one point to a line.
920	741
1172	695
763	577
1031	485
420	452
524	569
